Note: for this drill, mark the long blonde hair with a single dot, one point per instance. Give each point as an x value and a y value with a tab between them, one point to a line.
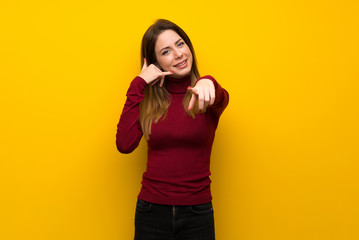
157	99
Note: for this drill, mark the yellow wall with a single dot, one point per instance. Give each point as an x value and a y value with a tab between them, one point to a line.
285	157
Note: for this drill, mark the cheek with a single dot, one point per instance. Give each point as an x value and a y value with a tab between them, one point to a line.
164	63
189	53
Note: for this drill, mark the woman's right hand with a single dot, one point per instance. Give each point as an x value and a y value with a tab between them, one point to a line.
152	74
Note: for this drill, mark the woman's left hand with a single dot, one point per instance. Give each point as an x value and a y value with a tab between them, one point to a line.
204	92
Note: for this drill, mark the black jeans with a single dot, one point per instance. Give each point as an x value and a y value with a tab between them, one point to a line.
173	222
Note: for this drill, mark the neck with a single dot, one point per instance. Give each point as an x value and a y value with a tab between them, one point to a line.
177	85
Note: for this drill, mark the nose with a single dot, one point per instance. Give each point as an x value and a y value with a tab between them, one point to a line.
178	53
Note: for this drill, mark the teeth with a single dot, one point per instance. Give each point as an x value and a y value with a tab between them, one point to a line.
178	65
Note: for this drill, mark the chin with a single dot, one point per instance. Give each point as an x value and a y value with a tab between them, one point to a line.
182	75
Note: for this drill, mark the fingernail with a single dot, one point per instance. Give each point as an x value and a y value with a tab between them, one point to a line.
172	71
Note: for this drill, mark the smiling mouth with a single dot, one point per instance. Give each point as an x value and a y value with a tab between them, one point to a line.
181	63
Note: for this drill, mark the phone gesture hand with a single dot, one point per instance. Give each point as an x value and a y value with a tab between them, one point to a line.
152	74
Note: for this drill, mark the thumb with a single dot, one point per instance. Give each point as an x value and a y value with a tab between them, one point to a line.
192	90
144	63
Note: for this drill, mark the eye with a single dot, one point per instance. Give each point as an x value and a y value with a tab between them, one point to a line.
180	44
164	52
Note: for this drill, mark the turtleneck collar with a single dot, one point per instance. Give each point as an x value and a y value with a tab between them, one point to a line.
177	85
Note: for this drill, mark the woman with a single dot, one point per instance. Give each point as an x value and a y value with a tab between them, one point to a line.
177	111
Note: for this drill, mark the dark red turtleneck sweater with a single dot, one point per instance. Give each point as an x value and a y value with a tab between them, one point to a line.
179	149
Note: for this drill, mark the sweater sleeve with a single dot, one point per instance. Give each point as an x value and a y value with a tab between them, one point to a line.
129	131
221	98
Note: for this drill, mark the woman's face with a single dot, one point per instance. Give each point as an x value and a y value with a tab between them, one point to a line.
173	54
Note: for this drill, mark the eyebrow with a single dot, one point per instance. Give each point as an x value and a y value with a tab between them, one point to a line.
169	47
